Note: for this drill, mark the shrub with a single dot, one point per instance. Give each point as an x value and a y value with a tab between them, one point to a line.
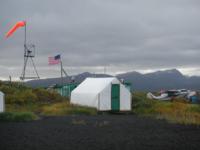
6	89
44	95
17	116
17	93
21	97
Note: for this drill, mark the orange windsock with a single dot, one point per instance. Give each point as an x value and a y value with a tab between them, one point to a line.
15	27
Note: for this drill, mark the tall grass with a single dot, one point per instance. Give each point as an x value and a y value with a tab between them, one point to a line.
52	109
17	116
65	108
20	98
177	111
17	93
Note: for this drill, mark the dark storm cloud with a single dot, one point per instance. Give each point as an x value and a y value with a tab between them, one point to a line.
129	34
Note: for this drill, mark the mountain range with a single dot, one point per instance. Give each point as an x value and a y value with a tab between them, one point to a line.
168	79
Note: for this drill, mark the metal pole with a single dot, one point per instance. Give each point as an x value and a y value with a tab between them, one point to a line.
24	69
25	41
35	68
10	79
25	60
61	71
25	34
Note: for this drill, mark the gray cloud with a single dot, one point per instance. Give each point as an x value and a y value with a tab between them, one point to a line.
121	34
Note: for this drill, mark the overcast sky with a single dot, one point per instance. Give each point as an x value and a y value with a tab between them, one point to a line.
124	35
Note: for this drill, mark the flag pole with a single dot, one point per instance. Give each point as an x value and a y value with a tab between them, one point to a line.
61	73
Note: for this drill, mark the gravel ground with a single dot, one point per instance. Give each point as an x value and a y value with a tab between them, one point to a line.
97	133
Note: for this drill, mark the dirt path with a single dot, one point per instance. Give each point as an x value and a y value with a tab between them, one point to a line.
98	133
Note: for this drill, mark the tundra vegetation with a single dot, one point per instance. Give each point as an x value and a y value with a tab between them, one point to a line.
24	104
176	111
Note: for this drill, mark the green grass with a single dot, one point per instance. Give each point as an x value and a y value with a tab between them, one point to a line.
177	111
17	93
52	109
17	116
65	108
22	103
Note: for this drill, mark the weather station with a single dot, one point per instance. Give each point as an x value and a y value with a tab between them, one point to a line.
29	54
29	51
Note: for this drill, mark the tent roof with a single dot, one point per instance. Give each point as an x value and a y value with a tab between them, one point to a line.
1	93
93	85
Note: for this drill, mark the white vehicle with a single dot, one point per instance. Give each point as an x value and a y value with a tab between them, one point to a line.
170	94
163	96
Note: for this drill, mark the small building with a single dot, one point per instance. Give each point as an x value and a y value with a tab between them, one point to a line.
104	94
2	102
66	89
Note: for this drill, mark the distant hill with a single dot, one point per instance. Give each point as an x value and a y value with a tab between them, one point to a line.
168	79
51	81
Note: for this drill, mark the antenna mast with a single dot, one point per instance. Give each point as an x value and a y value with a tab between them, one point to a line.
29	53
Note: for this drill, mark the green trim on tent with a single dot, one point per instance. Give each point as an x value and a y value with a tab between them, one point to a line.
115	97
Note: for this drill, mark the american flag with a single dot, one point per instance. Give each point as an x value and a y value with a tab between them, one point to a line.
54	60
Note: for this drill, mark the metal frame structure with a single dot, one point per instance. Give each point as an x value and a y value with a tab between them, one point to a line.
29	52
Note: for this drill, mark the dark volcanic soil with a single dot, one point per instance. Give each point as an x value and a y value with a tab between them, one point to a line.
110	132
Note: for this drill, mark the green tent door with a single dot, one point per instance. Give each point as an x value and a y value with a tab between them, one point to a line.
115	97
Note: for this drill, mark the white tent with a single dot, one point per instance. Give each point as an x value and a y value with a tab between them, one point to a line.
1	101
102	93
